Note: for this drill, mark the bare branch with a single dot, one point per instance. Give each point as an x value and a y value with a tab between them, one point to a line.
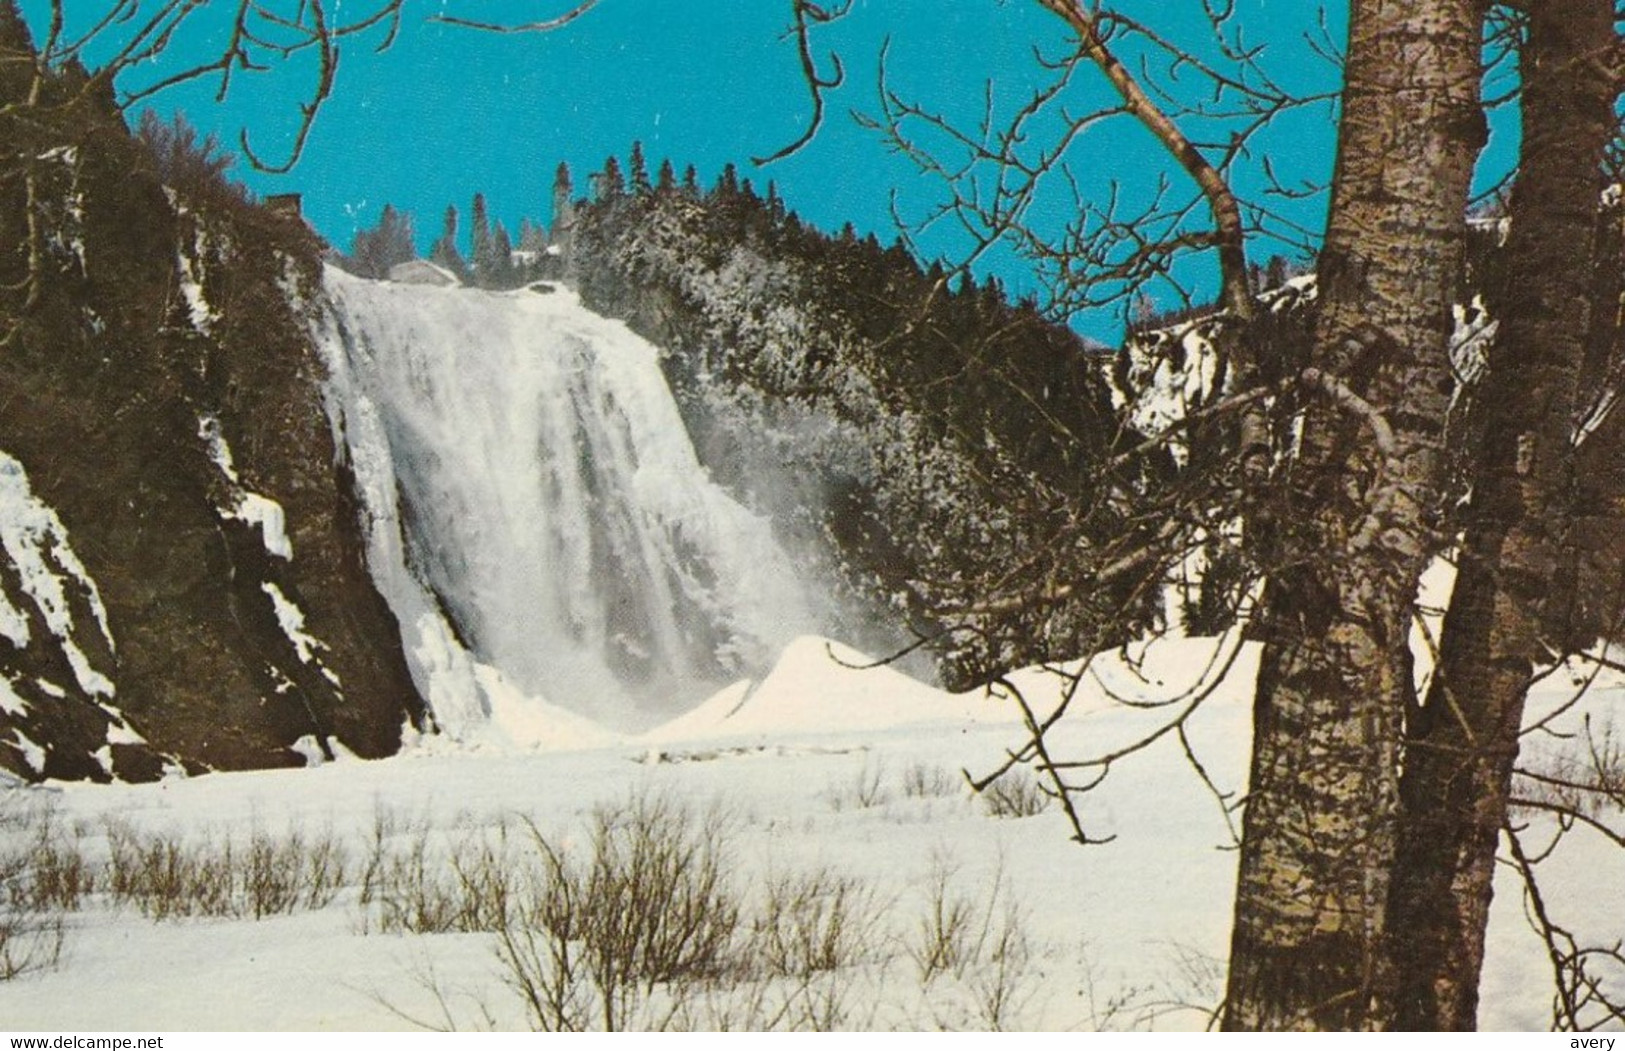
1227	216
807	15
541	26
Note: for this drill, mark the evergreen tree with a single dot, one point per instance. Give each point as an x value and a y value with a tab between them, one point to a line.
609	183
666	181
482	248
639	170
445	252
691	181
1275	274
16	54
532	238
728	182
376	251
563	204
499	271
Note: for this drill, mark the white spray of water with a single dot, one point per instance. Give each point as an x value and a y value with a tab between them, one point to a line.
536	516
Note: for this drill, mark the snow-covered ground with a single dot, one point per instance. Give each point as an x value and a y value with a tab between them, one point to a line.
818	766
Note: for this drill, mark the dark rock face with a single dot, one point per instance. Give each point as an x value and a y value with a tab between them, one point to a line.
167	468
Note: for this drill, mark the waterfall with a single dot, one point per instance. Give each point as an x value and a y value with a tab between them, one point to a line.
536	516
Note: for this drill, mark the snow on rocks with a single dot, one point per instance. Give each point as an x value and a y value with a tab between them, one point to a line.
1168	374
36	546
198	311
32	753
10	703
292	621
255	509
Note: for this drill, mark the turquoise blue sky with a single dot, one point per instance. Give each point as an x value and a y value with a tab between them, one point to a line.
445	111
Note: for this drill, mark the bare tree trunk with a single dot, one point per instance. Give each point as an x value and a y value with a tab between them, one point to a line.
1509	610
1357	529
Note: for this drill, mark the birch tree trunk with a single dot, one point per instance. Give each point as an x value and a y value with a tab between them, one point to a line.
1508	611
1357	527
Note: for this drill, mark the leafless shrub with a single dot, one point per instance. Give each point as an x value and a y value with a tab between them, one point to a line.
658	903
972	954
385	826
863	789
29	941
37	881
409	887
638	926
198	168
1016	794
484	870
943	937
651	906
55	873
416	882
811	922
998	981
62	877
291	873
924	781
1194	988
166	877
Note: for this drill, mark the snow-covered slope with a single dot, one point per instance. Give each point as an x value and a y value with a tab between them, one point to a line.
537	518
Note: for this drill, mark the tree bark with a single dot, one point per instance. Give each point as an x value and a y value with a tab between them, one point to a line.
1509	608
1357	528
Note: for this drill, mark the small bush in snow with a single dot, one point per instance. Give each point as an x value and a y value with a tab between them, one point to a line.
865	788
166	877
1016	794
39	878
943	937
29	941
651	905
811	922
414	882
922	781
980	944
282	875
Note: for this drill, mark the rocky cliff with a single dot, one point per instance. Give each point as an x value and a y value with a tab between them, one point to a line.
182	581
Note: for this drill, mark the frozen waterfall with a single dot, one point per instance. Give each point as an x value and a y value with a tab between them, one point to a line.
535	514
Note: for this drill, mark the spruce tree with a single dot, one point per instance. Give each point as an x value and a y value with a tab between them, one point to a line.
563	204
639	170
482	248
500	270
1275	274
445	253
16	54
532	238
728	182
380	249
609	183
